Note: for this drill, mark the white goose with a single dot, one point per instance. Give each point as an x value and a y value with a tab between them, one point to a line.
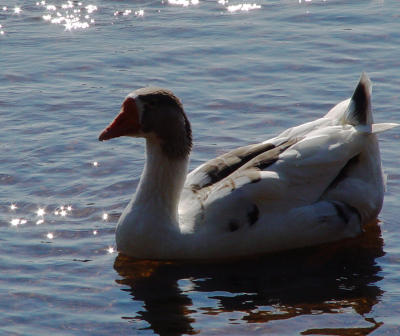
314	183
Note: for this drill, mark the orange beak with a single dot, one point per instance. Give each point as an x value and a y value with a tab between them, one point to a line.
126	122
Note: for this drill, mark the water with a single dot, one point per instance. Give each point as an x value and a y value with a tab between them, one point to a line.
244	71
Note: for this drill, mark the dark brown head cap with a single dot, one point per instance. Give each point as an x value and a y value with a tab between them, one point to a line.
162	114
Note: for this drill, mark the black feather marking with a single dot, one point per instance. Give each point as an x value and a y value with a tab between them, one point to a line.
269	157
224	165
233	226
267	161
195	187
345	171
345	211
341	213
360	101
253	214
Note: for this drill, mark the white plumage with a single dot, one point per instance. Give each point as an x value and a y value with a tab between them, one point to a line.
314	183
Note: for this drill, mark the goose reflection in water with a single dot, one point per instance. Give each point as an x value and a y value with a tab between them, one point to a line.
329	279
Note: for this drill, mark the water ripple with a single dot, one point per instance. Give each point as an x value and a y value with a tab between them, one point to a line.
245	71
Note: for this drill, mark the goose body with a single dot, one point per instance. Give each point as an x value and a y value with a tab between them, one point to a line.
314	183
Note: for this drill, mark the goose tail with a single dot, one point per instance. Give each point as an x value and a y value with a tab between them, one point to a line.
359	111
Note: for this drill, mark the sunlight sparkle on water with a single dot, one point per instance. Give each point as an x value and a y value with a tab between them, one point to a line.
40	221
71	15
68	4
50	235
18	221
105	216
127	12
76	25
17	10
242	7
91	8
184	3
95	163
40	212
94	232
15	221
63	210
110	250
13	206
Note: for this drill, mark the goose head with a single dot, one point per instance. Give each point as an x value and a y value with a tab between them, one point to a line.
157	115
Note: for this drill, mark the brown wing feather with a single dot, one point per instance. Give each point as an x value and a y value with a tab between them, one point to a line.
224	165
243	161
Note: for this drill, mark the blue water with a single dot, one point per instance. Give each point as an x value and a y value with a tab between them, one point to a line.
244	71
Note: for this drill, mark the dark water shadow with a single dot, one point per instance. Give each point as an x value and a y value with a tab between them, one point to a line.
323	279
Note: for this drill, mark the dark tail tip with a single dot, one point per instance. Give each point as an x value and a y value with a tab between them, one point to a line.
359	110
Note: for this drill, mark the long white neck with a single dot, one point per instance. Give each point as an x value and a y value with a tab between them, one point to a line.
161	183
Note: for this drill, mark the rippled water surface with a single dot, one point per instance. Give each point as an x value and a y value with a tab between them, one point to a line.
244	71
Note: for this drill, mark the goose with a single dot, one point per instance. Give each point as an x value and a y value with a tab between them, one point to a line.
315	183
